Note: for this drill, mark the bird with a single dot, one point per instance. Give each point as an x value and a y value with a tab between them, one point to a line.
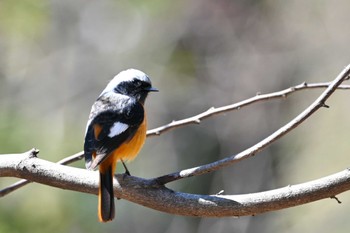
116	131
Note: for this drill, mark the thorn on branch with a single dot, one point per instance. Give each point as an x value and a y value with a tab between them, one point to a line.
258	93
211	109
33	153
324	105
335	198
304	84
221	192
197	121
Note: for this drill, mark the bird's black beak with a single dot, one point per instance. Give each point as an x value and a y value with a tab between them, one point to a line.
152	89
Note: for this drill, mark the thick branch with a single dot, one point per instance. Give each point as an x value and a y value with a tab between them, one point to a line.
150	194
195	120
21	183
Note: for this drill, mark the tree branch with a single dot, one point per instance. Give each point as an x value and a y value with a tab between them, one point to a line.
19	184
194	120
149	193
236	106
153	194
317	104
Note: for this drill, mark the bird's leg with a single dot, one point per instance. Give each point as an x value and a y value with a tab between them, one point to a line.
127	172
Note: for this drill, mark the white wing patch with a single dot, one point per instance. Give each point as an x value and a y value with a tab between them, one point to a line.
117	128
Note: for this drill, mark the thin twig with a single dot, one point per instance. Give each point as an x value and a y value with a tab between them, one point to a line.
258	98
317	104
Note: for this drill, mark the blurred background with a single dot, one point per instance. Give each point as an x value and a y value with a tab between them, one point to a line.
56	56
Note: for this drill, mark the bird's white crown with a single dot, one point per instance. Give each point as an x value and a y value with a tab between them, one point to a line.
124	76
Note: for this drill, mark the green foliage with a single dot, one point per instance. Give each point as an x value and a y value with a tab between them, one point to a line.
21	19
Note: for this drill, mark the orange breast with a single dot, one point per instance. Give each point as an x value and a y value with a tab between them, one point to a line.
129	150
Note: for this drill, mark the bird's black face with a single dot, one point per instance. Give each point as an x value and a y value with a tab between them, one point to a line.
135	88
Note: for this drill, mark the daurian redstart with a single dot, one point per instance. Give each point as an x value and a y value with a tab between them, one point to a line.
116	130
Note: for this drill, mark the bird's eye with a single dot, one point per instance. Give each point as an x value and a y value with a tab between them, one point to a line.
137	83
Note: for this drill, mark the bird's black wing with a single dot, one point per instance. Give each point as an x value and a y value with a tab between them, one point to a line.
117	126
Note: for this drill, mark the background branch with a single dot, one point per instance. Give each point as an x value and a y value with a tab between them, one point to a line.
149	193
317	104
236	106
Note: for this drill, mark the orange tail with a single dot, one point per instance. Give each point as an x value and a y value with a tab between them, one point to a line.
106	208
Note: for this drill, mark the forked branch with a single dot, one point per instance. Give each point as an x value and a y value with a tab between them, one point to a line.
152	195
317	104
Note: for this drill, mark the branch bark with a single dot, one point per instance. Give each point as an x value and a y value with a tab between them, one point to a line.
70	159
149	193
